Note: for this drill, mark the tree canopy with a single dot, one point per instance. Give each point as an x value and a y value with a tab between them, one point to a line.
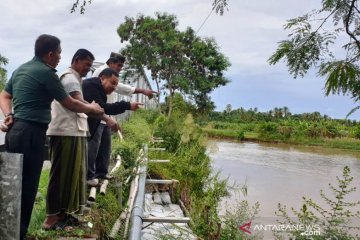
313	43
178	60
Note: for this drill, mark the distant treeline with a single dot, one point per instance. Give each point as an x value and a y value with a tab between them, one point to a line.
242	115
279	125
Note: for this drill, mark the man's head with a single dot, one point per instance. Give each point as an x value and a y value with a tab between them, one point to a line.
82	61
47	47
116	61
109	80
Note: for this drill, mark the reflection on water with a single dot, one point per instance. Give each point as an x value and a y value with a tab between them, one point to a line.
277	173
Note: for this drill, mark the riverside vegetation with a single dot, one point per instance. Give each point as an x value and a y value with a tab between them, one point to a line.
279	125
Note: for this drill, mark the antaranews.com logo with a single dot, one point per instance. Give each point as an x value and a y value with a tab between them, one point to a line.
306	230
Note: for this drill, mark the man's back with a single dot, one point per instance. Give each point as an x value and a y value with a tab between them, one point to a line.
33	86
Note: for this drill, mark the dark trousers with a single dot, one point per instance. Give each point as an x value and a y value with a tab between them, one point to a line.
99	150
27	138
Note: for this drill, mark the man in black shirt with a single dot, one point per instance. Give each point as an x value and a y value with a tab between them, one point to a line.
96	89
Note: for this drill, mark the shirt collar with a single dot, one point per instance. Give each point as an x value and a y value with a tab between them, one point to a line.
72	71
38	59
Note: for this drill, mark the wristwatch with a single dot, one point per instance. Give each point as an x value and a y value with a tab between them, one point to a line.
9	114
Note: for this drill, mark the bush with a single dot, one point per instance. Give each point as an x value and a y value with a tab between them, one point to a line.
334	222
267	130
356	132
240	135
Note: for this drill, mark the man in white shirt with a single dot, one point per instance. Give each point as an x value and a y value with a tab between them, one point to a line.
116	62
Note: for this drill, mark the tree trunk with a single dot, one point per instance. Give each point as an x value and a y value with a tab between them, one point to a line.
158	89
171	97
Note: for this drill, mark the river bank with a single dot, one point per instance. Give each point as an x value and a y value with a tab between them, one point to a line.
344	143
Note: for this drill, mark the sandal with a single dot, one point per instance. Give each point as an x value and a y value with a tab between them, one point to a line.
59	225
74	221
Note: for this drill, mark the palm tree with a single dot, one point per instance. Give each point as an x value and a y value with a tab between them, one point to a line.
286	112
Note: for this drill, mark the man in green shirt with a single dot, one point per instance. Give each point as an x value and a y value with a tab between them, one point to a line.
29	92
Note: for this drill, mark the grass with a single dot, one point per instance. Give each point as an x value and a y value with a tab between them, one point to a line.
39	213
103	214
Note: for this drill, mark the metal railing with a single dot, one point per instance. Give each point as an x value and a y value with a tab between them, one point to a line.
137	211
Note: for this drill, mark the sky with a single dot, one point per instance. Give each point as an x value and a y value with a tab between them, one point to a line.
247	34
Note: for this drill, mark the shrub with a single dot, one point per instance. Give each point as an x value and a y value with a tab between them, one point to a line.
335	221
356	131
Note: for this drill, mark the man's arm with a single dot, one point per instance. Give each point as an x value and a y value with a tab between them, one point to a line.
80	107
93	93
6	102
146	92
124	89
6	107
112	124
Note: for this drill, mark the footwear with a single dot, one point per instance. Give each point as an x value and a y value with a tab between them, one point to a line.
93	182
74	221
60	225
107	176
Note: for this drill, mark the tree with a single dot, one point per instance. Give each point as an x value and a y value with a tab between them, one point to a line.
178	61
218	5
82	5
228	108
312	37
286	112
3	75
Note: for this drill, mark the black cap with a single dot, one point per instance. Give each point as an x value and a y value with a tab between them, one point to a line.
117	56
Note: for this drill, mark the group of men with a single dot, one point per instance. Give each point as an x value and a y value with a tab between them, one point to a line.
74	114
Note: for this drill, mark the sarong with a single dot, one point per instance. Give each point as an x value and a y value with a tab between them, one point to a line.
67	181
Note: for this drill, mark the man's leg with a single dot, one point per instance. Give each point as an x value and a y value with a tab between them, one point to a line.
93	149
103	157
28	139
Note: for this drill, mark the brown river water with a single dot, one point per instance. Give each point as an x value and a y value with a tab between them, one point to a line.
281	173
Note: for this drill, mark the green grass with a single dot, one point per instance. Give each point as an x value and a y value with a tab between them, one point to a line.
39	214
103	214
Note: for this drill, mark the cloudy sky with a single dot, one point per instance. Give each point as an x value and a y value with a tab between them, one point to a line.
247	34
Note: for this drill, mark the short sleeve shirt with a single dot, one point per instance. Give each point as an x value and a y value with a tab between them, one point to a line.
65	122
33	86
